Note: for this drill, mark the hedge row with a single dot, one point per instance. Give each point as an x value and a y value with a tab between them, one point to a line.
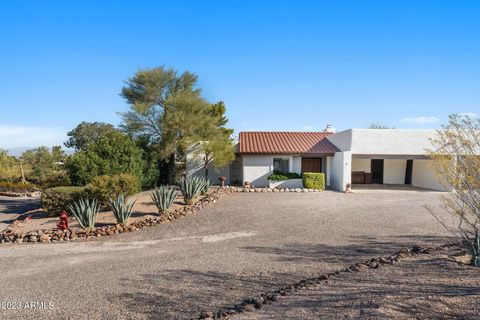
55	200
313	180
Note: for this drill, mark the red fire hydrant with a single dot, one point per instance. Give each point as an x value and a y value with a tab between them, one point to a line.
63	224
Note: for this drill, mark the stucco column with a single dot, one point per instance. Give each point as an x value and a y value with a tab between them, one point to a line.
341	172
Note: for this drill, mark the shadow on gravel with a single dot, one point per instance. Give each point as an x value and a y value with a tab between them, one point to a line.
183	294
180	294
13	206
429	287
361	248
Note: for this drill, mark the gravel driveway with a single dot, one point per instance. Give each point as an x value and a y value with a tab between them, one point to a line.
243	245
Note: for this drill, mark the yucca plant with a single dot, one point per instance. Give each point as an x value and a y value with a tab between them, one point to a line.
206	187
85	211
122	208
191	187
163	197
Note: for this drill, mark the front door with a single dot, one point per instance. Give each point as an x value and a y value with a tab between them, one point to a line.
377	171
311	165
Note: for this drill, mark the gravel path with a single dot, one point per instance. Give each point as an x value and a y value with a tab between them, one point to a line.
243	245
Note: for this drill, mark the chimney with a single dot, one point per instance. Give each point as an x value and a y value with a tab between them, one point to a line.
329	128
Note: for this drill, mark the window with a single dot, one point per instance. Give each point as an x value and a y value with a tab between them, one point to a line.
280	165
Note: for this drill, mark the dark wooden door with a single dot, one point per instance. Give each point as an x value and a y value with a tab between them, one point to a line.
377	170
311	165
409	172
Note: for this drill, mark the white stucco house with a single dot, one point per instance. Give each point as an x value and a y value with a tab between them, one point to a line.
353	156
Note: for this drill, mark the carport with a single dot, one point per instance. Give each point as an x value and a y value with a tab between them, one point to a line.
383	157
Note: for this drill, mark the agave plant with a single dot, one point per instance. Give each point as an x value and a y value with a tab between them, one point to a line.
206	187
191	187
163	197
122	208
85	211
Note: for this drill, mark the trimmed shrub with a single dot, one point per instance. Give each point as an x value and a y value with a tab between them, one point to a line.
314	180
16	187
55	200
163	197
281	176
85	211
191	187
103	188
122	208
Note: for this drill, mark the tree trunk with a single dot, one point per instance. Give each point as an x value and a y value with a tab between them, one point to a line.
206	161
23	173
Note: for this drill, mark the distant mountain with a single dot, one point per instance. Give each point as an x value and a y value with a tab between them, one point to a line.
17	152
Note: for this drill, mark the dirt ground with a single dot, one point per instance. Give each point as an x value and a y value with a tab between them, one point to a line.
243	245
428	286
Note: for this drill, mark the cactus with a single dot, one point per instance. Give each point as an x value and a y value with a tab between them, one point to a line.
122	208
191	187
85	211
206	187
163	197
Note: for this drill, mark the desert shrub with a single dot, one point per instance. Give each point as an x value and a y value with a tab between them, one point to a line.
103	188
280	176
55	200
191	187
85	210
314	180
16	187
122	208
163	197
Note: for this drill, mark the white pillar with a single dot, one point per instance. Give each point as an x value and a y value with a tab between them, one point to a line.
341	172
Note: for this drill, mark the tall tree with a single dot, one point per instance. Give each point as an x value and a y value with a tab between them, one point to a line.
167	109
147	93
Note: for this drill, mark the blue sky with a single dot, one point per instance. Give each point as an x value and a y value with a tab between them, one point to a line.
278	65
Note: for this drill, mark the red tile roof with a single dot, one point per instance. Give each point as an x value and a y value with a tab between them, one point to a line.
285	142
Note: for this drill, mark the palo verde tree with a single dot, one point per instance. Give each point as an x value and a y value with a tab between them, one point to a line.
456	164
166	108
150	94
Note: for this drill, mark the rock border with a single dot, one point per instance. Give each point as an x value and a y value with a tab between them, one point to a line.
266	189
256	302
56	235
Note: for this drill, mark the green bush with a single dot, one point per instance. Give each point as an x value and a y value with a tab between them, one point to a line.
103	188
16	187
55	200
280	176
314	180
